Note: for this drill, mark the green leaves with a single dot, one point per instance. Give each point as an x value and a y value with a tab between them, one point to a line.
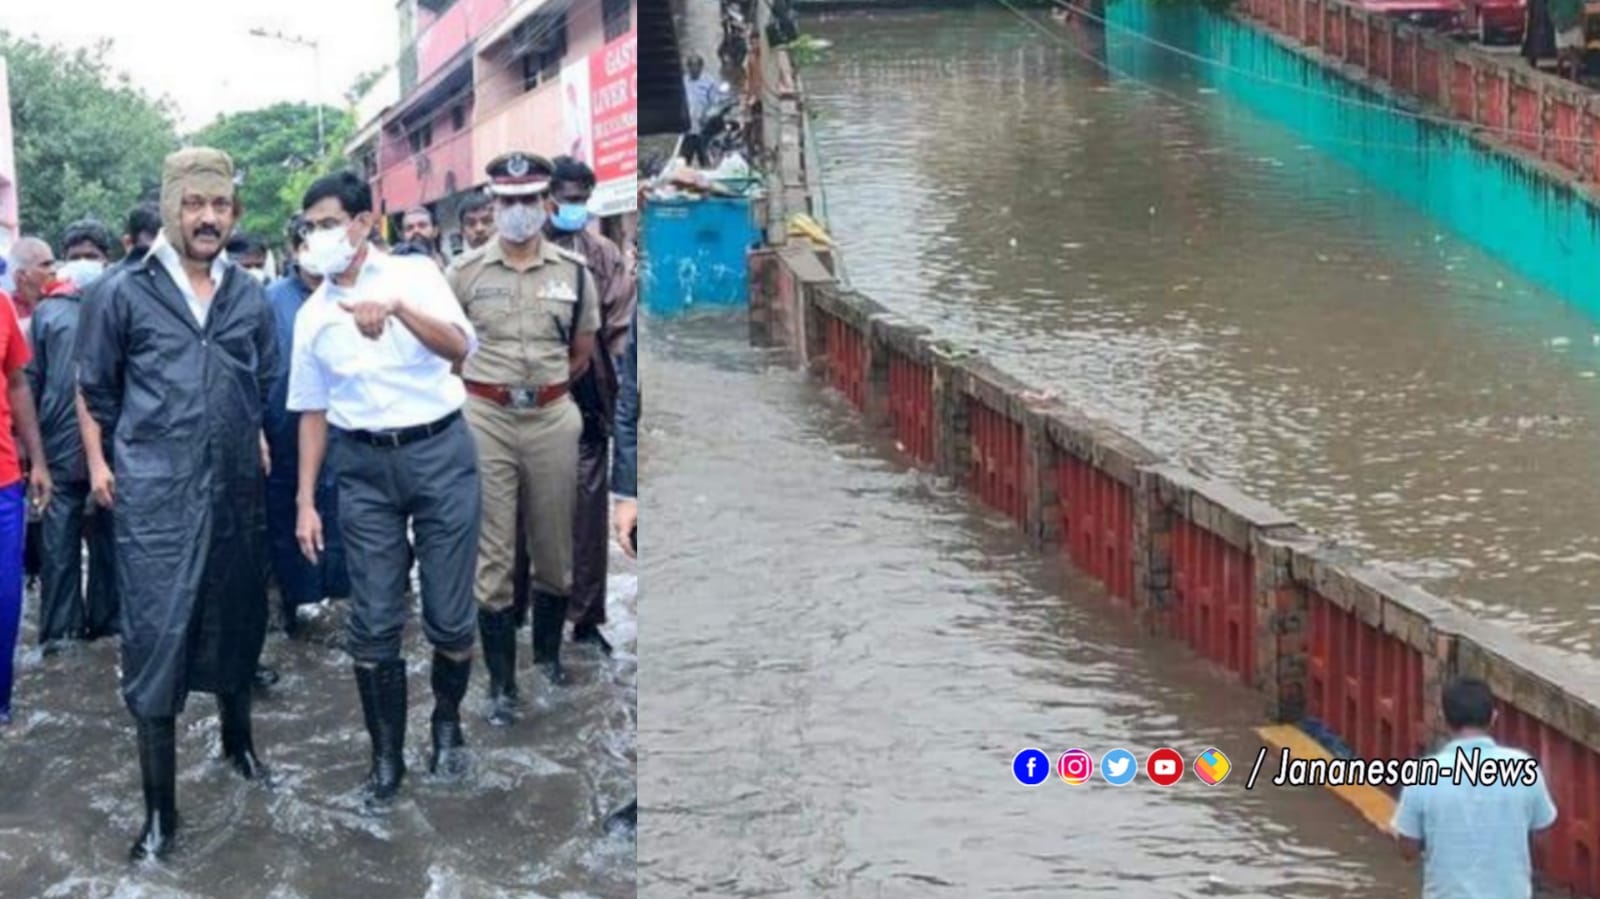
341	128
88	143
271	149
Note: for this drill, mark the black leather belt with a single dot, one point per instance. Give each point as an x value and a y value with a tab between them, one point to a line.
402	436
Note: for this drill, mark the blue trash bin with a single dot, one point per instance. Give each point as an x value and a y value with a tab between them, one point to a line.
695	254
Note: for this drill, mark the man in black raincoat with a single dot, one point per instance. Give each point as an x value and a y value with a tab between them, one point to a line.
68	610
176	356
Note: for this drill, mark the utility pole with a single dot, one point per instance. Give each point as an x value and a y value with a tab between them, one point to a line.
316	65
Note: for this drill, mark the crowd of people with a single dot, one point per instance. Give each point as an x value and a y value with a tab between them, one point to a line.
203	429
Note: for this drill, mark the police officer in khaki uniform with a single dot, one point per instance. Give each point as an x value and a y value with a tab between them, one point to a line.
536	311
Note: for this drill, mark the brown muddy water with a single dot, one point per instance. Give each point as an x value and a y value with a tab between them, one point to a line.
842	658
1196	274
526	822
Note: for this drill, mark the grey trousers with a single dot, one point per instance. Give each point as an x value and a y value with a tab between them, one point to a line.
432	485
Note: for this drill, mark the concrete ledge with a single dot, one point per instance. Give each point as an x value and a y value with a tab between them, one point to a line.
996	389
1216	507
850	307
1533	678
803	260
1099	444
902	337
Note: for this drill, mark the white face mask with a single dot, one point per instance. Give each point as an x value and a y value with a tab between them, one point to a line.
328	251
80	271
519	223
260	274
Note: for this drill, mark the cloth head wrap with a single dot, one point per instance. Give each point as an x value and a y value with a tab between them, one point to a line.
199	170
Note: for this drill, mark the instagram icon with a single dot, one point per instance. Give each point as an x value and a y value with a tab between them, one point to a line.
1075	766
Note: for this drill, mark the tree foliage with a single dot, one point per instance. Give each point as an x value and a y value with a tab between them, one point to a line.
271	147
364	83
88	143
341	128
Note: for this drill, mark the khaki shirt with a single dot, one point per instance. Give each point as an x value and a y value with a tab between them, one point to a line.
524	319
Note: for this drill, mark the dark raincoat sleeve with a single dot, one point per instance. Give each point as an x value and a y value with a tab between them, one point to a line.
271	361
36	369
102	345
625	459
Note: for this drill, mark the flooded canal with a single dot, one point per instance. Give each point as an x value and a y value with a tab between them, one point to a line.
1164	257
842	658
527	821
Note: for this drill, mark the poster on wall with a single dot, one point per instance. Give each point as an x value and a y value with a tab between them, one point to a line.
577	140
613	128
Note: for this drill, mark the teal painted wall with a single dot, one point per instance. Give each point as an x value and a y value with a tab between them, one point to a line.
1535	224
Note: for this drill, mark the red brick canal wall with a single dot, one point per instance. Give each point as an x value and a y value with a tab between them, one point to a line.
1350	654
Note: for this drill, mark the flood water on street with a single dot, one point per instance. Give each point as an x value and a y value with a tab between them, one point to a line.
526	822
1198	275
843	657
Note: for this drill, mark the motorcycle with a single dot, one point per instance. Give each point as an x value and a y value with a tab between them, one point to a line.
723	132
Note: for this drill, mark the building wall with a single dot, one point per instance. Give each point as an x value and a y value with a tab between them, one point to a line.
440	37
510	117
501	115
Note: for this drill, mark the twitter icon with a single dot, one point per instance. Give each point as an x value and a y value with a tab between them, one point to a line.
1119	767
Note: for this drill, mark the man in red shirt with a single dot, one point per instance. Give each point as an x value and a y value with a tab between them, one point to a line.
16	416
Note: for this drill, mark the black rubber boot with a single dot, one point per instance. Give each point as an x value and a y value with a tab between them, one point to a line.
626	817
549	617
290	613
237	746
158	767
590	633
383	703
499	635
450	679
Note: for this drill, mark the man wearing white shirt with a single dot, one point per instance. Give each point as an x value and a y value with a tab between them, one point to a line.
371	375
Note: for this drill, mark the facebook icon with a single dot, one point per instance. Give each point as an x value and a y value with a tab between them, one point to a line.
1031	767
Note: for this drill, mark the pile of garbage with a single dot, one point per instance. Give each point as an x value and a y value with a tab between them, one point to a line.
732	177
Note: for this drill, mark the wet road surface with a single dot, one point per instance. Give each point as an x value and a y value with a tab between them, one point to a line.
843	658
1201	277
526	822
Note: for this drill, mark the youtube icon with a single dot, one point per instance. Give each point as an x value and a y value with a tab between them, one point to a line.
1164	767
